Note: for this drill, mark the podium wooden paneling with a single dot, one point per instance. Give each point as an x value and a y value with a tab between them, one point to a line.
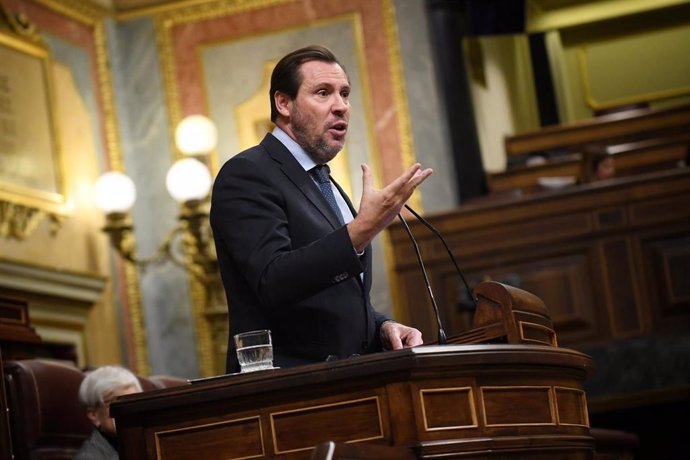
611	260
519	401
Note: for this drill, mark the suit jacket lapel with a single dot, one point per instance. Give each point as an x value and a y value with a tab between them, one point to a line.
294	171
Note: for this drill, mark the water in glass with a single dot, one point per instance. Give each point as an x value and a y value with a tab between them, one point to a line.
255	358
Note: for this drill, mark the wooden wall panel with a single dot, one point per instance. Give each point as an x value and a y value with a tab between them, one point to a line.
610	261
622	296
669	280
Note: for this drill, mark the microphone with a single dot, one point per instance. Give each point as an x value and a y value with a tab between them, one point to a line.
441	333
450	253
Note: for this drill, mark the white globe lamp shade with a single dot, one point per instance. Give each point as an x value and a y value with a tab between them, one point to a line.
196	135
188	179
115	192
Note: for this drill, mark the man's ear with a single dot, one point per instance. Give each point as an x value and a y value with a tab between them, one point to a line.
283	103
91	414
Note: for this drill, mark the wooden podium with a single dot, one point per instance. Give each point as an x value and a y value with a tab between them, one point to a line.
470	401
520	399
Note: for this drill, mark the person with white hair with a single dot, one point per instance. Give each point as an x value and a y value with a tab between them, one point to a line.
101	387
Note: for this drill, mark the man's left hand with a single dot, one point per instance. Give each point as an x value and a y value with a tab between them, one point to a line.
397	336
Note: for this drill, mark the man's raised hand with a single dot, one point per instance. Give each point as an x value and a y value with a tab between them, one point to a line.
378	208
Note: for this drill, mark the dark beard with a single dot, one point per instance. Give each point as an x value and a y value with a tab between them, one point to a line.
318	149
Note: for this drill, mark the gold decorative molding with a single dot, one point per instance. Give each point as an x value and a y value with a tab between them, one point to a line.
153	10
85	12
206	349
136	314
166	59
17	221
18	24
205	10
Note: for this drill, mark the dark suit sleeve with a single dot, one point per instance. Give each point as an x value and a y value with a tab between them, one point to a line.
285	250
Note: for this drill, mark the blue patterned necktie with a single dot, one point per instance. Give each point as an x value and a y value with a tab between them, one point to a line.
321	173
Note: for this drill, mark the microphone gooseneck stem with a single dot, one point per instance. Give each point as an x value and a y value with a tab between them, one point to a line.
450	253
441	333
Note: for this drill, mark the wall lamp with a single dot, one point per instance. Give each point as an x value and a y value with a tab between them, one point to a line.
189	244
189	182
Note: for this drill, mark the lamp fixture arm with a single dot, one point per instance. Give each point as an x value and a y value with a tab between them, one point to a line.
121	232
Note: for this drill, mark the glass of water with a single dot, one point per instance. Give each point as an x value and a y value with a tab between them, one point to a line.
254	350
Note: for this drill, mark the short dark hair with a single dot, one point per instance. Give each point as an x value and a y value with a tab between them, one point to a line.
286	76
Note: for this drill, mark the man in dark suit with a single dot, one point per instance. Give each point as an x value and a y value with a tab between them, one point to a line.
294	255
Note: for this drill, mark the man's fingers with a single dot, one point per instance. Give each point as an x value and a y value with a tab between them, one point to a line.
410	179
419	177
395	343
410	173
367	179
413	339
403	184
402	180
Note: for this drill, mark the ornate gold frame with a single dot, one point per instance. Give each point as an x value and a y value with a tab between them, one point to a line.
22	207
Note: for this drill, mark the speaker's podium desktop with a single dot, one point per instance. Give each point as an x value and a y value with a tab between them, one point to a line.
472	398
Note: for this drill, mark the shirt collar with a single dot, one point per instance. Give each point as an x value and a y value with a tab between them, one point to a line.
295	149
